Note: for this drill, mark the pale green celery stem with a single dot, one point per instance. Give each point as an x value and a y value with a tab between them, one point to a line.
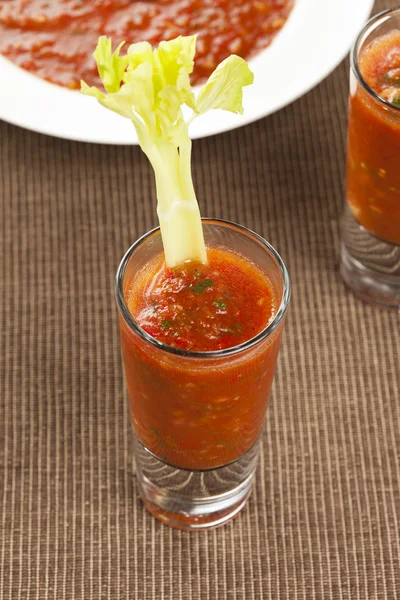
177	208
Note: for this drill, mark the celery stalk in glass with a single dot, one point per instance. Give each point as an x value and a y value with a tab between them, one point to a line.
150	86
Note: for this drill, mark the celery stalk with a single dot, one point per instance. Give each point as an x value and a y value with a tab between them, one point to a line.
150	86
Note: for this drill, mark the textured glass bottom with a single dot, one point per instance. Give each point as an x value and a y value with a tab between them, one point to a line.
193	500
368	265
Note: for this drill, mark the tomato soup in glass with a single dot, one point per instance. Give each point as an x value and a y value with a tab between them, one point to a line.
200	345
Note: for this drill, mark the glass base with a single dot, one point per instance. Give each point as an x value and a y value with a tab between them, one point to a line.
368	265
194	500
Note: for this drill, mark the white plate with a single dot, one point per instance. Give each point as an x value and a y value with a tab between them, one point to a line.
314	40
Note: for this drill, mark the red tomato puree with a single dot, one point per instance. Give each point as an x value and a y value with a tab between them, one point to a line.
203	307
373	172
191	412
55	38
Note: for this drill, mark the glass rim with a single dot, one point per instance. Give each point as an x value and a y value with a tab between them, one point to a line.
266	332
370	25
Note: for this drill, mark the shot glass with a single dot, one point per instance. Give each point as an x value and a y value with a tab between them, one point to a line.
370	231
198	416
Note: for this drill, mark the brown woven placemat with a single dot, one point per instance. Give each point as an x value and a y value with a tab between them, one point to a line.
323	521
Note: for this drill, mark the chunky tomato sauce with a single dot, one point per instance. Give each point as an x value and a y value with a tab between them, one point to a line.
55	38
191	412
203	307
373	172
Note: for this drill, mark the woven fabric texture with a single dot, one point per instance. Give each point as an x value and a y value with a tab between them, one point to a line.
324	519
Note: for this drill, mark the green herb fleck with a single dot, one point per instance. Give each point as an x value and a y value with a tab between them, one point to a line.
393	77
199	288
236	328
396	101
220	304
165	324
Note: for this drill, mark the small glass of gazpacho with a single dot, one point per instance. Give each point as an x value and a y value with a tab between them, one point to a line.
200	345
370	251
201	302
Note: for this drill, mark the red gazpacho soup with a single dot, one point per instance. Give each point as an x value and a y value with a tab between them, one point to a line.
55	38
373	172
194	413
